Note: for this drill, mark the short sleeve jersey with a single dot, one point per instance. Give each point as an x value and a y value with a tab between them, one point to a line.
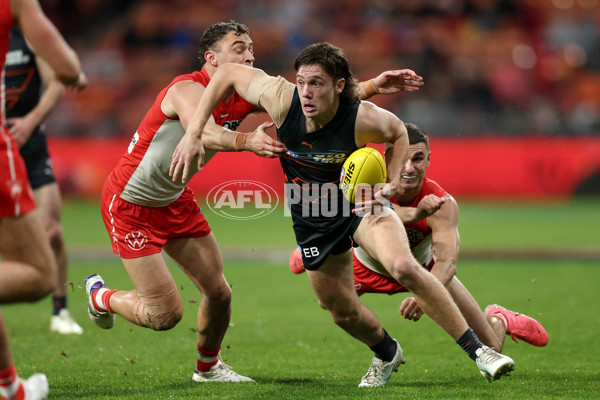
142	175
419	233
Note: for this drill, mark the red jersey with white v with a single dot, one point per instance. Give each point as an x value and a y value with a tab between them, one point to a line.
142	175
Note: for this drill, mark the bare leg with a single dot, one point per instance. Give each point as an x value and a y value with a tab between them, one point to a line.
333	284
28	269
200	258
155	303
48	200
483	327
384	238
5	354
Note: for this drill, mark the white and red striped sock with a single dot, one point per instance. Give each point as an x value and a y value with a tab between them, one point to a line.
101	298
11	387
206	359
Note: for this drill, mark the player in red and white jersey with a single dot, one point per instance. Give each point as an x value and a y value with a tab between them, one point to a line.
28	269
430	216
145	211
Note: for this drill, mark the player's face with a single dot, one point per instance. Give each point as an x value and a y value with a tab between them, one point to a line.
415	167
318	93
235	49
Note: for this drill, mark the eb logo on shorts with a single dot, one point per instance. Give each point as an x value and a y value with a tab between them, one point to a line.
309	252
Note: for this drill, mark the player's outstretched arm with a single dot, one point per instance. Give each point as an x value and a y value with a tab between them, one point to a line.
46	41
227	78
391	82
426	208
259	142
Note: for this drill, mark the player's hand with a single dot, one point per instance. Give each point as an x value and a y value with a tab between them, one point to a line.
429	205
409	309
378	204
77	84
188	150
259	142
21	129
390	82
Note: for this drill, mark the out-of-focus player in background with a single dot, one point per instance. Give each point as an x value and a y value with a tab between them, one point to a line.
28	268
145	212
430	216
27	107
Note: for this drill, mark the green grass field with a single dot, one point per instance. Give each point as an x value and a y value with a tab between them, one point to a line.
280	336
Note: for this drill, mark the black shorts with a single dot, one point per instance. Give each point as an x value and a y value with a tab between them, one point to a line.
318	240
37	160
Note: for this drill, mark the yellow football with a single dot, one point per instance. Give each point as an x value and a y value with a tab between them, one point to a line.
362	171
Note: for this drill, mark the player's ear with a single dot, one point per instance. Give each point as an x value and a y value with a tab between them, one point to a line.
428	158
339	87
211	58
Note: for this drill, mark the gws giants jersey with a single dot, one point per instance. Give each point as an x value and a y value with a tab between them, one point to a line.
142	175
419	233
22	81
314	161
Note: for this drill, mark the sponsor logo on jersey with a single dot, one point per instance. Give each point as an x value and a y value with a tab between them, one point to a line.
17	57
232	125
338	158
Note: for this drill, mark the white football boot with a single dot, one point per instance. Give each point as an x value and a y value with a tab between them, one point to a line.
380	371
103	319
493	365
220	372
65	324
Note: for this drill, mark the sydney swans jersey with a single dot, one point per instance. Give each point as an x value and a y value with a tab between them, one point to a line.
419	233
314	162
142	175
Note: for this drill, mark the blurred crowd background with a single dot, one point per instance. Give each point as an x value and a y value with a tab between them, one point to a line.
507	67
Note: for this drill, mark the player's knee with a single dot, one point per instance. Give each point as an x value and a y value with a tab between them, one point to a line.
165	320
406	271
55	235
38	287
219	297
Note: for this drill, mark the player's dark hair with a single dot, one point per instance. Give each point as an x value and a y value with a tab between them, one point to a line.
416	134
215	32
335	63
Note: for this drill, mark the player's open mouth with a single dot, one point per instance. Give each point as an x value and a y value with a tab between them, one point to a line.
309	107
408	177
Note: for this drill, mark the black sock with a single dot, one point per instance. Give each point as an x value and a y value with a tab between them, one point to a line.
58	303
470	343
386	349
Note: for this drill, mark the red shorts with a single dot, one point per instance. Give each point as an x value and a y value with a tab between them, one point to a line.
368	281
138	231
16	197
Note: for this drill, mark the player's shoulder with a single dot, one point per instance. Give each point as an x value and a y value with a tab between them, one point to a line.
432	187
